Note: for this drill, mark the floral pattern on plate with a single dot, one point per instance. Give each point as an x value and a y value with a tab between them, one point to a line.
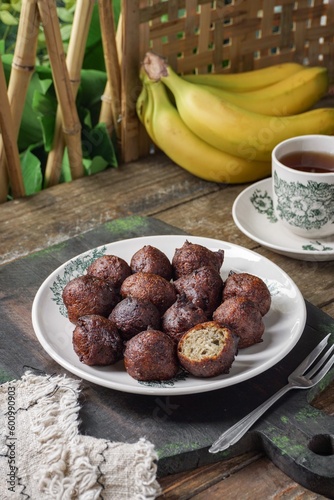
73	269
284	323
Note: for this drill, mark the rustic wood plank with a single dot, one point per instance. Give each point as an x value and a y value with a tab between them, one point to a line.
203	477
248	476
263	481
143	188
154	186
182	428
325	400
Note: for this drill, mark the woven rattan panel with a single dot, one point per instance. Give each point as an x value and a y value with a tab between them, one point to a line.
237	36
222	36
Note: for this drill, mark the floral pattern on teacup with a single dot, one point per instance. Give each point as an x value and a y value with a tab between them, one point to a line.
263	204
307	206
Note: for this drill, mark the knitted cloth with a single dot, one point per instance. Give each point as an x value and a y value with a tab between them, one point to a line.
43	456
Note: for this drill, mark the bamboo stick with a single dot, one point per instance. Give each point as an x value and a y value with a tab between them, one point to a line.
111	61
70	120
106	115
130	79
4	180
9	140
74	59
23	66
106	101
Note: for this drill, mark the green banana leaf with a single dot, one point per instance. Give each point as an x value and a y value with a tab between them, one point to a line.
45	107
91	89
96	143
37	126
30	129
94	58
91	166
31	171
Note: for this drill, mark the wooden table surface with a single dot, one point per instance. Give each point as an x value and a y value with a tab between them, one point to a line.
156	187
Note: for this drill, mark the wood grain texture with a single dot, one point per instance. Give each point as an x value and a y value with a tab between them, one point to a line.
181	427
143	188
152	187
226	479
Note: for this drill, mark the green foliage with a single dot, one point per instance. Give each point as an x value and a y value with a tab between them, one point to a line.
38	121
32	174
94	58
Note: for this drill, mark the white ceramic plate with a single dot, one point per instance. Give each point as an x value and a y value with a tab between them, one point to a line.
254	215
284	323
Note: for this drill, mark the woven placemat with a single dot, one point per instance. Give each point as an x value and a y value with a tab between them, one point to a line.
43	455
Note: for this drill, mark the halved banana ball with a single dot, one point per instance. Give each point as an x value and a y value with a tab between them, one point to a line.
208	349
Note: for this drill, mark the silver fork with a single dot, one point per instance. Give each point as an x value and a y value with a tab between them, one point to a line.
304	376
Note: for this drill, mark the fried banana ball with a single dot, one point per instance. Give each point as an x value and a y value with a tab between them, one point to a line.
203	287
249	286
110	268
150	259
208	349
89	295
132	315
243	317
150	287
192	256
180	317
96	341
151	355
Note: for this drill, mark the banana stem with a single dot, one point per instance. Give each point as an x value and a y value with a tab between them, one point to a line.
155	66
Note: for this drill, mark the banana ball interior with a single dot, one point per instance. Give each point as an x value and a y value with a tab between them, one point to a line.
208	349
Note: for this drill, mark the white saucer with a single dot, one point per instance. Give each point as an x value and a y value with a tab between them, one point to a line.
253	214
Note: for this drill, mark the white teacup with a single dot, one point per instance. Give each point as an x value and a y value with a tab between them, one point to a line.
304	199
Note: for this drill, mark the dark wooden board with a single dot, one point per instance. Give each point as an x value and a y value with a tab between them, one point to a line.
181	427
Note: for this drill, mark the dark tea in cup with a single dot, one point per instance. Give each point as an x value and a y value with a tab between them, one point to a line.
309	161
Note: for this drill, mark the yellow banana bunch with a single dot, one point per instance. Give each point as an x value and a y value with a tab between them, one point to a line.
247	81
292	95
229	127
140	104
166	128
144	108
214	134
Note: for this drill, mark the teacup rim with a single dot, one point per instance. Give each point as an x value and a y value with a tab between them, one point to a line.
302	173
